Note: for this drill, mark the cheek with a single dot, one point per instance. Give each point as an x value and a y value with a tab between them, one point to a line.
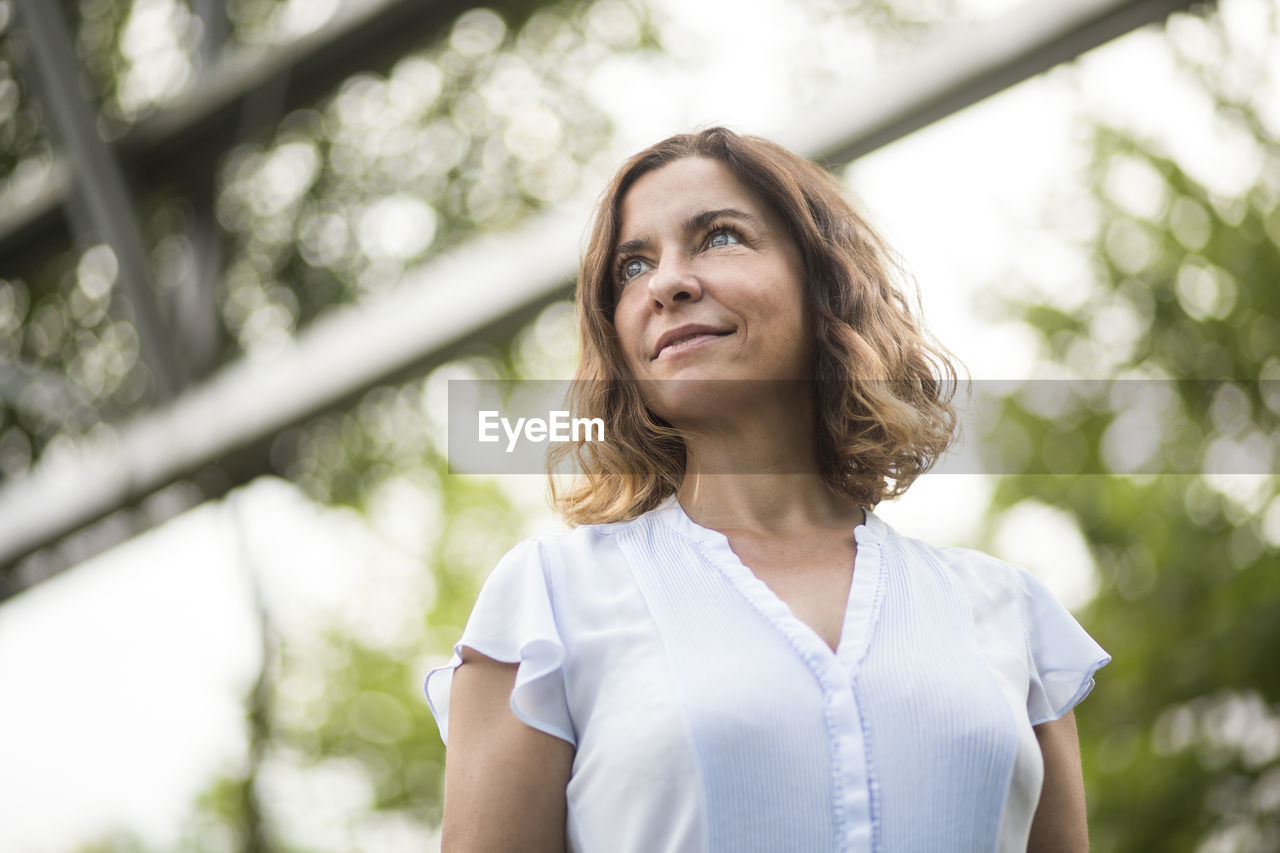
784	300
792	312
631	312
630	329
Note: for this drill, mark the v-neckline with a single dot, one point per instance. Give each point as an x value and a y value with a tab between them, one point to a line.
859	606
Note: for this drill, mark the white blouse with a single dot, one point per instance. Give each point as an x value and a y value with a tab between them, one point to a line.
706	717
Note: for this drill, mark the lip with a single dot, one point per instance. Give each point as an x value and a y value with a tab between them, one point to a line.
686	332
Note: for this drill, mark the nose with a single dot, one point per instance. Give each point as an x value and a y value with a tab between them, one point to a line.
673	281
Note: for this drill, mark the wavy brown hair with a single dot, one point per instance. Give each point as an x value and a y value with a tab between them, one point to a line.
882	385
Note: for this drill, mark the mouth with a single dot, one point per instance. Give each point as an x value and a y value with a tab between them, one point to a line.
687	338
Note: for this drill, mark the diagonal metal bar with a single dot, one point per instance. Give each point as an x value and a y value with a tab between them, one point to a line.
101	185
214	29
962	68
194	304
333	361
188	138
431	316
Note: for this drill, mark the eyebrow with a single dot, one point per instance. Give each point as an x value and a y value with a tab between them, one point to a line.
692	225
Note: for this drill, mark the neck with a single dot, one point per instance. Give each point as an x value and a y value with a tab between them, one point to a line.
772	504
760	473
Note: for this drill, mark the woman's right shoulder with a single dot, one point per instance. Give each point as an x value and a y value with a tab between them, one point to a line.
584	559
546	595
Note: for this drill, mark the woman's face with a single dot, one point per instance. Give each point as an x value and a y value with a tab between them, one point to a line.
710	285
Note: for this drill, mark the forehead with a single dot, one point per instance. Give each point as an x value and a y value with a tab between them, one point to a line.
668	195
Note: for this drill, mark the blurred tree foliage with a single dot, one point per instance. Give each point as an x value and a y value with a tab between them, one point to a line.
483	124
489	120
1181	738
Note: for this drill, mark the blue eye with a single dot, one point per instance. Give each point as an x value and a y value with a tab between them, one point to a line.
723	238
631	268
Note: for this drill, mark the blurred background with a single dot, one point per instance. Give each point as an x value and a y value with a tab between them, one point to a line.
244	245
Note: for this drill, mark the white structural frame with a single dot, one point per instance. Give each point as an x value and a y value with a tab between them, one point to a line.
464	292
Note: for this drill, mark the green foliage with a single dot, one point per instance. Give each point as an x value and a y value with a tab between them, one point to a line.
115	841
1181	737
485	123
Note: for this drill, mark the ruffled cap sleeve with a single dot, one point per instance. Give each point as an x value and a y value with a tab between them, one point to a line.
1063	656
513	621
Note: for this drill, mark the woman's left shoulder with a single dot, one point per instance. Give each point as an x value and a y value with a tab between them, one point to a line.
1022	628
982	568
987	579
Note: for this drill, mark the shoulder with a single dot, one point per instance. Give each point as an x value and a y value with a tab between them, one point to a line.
1035	646
981	570
583	539
571	563
580	544
990	582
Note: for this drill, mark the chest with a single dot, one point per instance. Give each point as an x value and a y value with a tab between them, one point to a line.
694	683
810	574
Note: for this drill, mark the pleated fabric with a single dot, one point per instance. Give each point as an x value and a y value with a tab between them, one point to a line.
707	717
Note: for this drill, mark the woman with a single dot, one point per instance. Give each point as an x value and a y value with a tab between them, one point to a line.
731	651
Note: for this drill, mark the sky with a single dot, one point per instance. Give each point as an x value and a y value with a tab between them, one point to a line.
121	680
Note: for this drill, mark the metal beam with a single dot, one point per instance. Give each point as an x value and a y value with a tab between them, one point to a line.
961	68
336	358
187	139
194	300
101	186
214	30
434	313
